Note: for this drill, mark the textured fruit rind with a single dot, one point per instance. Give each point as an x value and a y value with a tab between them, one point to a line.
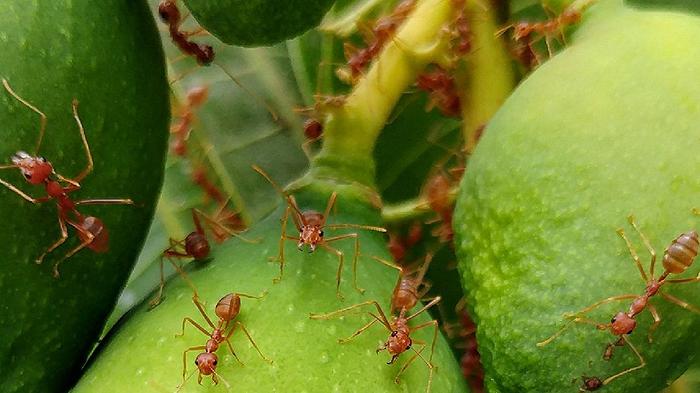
607	128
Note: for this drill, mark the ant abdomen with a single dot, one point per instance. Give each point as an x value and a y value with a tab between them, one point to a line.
95	226
228	307
681	253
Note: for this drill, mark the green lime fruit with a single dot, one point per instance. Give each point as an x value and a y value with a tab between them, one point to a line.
257	22
53	53
306	357
607	128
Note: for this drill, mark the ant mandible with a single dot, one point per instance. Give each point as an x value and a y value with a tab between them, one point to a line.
405	296
170	14
678	257
38	171
226	310
310	225
195	245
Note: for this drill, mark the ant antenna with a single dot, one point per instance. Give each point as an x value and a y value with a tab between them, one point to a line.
235	80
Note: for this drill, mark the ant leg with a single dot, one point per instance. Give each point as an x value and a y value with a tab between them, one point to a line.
193	323
354	257
157	299
283	237
388	263
105	202
64	236
646	242
22	194
358	331
424	308
89	237
199	306
572	319
44	119
642	363
680	303
184	360
434	323
262	295
633	252
306	146
90	164
252	341
408	363
333	314
230	347
684	280
657	320
217	225
340	264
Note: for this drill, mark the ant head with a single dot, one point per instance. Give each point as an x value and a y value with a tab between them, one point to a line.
169	12
205	55
228	307
622	324
311	235
36	170
398	342
206	363
197	245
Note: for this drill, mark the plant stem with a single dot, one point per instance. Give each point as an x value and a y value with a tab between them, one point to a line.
487	77
350	130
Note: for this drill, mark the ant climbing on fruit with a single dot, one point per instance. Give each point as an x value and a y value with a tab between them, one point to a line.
170	14
38	171
311	224
528	33
405	296
678	257
196	96
195	245
376	37
226	310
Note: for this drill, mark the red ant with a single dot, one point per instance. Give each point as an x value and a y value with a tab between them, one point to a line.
195	98
405	296
195	245
398	245
678	257
170	14
226	309
313	131
461	31
230	219
470	361
523	31
442	90
311	225
377	37
37	170
438	194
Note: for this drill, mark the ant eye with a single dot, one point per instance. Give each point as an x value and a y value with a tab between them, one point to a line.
321	233
394	333
196	362
613	320
42	159
27	175
215	362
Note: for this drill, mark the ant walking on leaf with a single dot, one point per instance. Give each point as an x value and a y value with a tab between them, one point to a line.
678	257
311	224
195	245
226	310
170	14
38	171
409	290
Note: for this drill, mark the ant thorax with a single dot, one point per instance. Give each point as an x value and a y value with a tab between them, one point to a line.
35	170
311	230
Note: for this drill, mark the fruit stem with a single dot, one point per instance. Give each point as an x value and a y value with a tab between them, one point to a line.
351	129
486	76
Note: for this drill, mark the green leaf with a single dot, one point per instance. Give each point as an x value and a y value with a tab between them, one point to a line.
108	57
